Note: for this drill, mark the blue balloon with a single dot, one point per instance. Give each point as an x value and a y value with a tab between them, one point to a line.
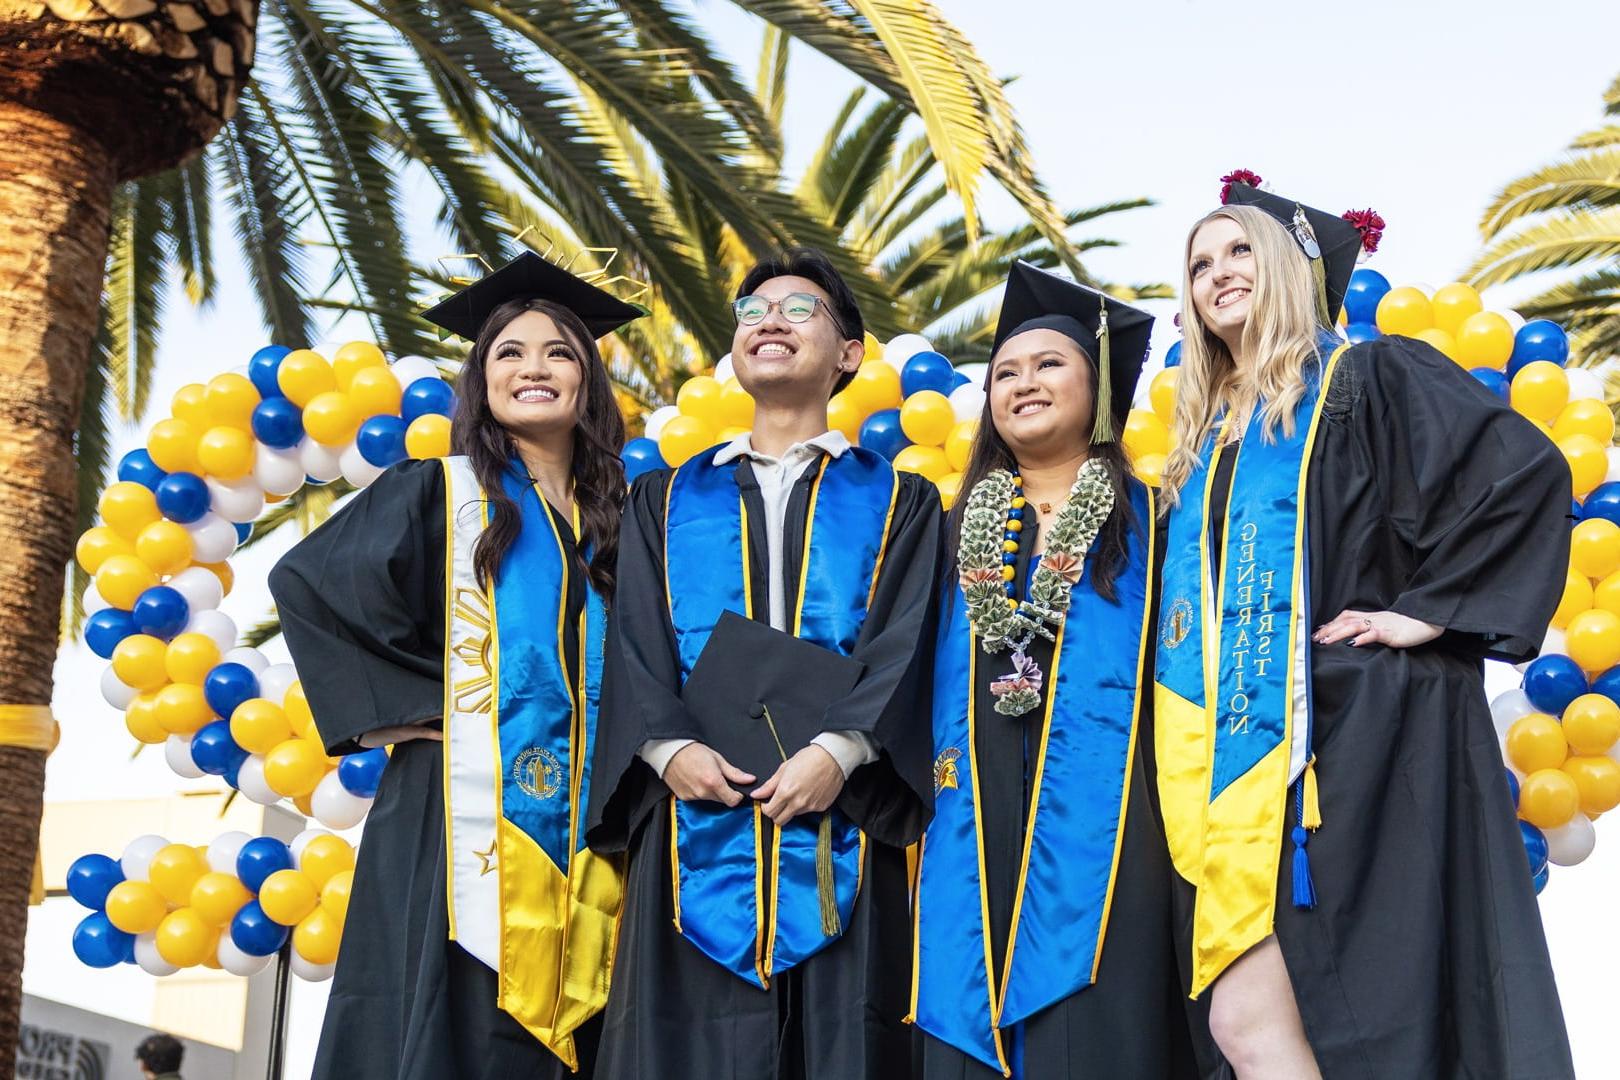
258	859
1513	786
254	932
1535	846
881	433
1608	684
641	455
382	440
926	371
138	467
91	878
100	944
1357	332
1173	357
161	611
227	686
264	367
426	396
244	530
213	749
957	380
1603	502
1540	880
182	497
1494	381
360	773
278	423
1576	514
232	775
106	628
1538	339
311	481
1551	682
1361	296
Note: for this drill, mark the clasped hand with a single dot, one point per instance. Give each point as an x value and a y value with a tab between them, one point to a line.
1375	628
807	782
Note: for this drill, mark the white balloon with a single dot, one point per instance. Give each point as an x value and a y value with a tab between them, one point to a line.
1508	707
407	369
250	781
240	501
1514	319
1571	842
146	955
334	806
1553	644
216	626
118	695
236	961
724	369
93	601
274	681
249	657
212	538
1614	465
967	402
356	469
177	752
277	471
202	590
223	851
137	856
1583	384
311	972
300	842
658	418
902	347
319	461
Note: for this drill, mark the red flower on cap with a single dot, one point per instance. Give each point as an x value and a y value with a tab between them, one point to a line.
1238	176
1371	226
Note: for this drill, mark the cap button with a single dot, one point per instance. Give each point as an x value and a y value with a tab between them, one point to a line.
756	710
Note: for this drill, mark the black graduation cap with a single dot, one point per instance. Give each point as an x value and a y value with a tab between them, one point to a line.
1117	343
530	276
1330	241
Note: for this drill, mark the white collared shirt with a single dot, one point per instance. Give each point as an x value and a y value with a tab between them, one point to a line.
776	477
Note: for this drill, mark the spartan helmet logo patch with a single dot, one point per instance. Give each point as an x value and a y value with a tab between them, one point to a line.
945	769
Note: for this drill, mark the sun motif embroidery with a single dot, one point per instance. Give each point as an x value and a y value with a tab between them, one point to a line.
470	615
945	769
1177	622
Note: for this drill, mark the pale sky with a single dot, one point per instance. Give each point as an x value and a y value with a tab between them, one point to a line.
1422	111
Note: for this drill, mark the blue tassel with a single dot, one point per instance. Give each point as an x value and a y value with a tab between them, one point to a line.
1304	888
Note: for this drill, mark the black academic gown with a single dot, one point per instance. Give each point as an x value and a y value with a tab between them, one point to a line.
361	601
1130	1022
673	1013
1424	956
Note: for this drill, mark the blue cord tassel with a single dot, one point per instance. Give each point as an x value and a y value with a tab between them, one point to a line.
1304	888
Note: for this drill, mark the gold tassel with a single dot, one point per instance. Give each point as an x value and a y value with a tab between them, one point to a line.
1102	428
1319	271
831	926
1310	814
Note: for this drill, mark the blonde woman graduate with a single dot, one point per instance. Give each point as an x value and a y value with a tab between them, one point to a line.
1350	532
1044	936
456	610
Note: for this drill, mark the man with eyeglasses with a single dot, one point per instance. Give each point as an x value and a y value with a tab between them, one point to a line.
766	927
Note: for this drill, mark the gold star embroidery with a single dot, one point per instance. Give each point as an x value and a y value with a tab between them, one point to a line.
486	859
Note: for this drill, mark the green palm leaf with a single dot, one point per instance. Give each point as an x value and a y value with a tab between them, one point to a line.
1590	180
1552	244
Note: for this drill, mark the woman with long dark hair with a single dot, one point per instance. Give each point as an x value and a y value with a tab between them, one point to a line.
1043	843
455	610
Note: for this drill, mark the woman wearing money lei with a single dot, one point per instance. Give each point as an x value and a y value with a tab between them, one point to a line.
1043	842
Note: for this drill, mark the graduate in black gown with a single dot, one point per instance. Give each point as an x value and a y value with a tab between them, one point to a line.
1352	531
479	940
1043	915
724	968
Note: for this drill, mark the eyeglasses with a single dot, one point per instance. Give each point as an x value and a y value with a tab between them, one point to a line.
795	308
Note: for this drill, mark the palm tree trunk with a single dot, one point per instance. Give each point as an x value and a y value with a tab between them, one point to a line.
56	186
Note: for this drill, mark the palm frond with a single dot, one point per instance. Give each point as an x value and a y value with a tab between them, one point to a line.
262	632
133	305
1607	135
1553	244
1588	180
856	162
188	219
91	453
771	83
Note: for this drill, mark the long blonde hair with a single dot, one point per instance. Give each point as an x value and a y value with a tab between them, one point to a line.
1281	334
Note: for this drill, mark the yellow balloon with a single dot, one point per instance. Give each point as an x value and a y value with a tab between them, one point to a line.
217	897
294	768
682	437
1162	393
138	662
174	870
190	405
927	418
226	452
231	400
730	433
950	487
875	386
1451	306
182	709
1578	597
1605	594
99	544
1585	416
1597	782
1588	462
128	508
1535	741
135	907
1442	342
184	939
1145	433
929	461
736	406
164	546
428	437
191	657
1485	340
287	896
1591	724
1593	639
1594	548
1149	468
331	419
1404	310
874	348
299	715
375	391
699	397
1548	798
259	726
959	443
303	375
141	718
122	578
353	358
1540	391
316	938
324	856
844	415
173	445
335	895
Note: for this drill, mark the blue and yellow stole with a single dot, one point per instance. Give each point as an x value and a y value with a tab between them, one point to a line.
1076	818
1231	704
755	912
526	896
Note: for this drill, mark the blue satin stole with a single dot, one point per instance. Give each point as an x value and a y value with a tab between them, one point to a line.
1076	817
755	912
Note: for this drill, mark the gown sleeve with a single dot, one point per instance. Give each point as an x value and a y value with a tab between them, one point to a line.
1477	493
361	602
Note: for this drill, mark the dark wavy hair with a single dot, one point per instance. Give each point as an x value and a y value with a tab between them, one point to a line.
1109	552
598	471
813	265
